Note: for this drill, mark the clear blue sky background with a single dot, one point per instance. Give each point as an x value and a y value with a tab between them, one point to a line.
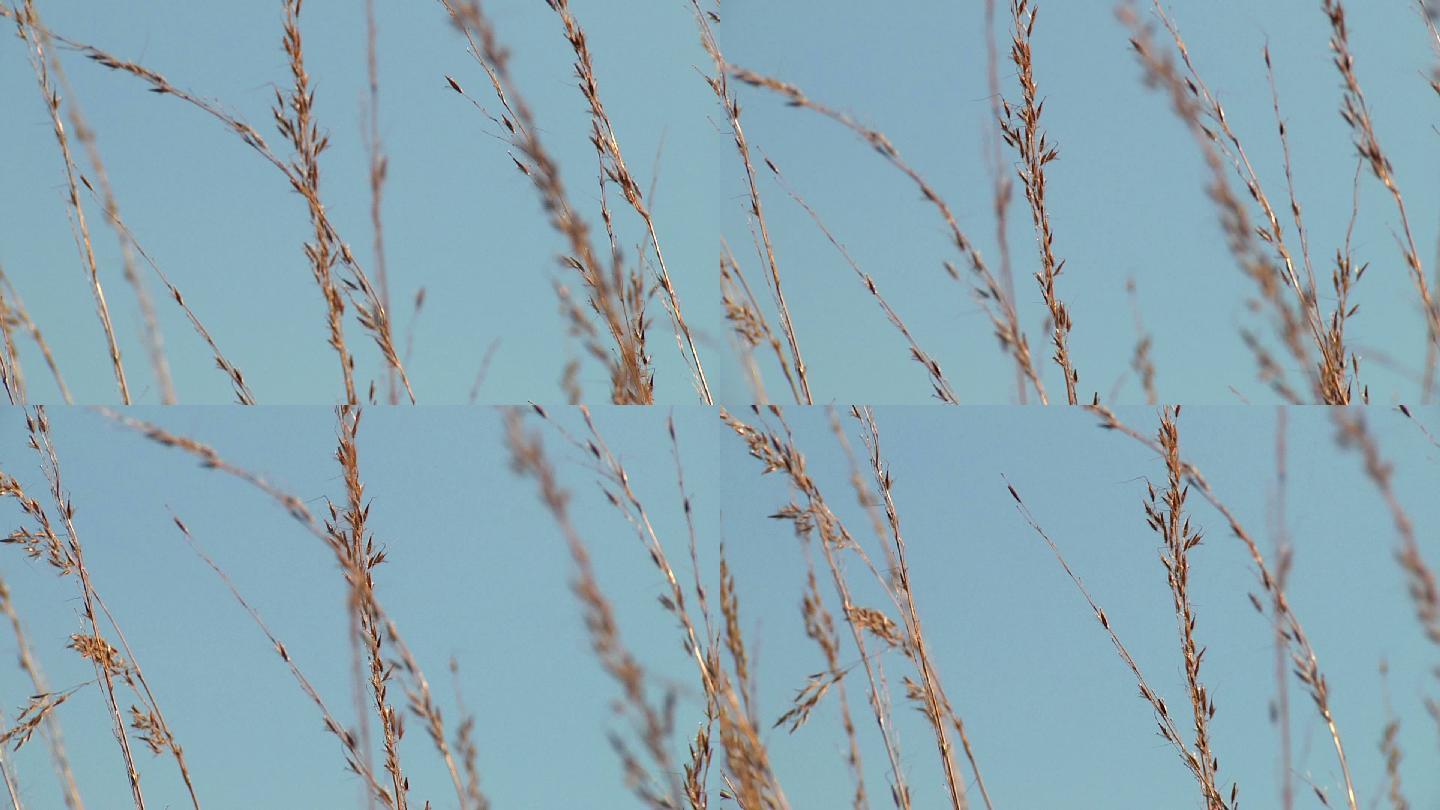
1126	195
477	571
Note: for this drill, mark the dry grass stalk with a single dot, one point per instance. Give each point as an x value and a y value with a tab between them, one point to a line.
154	340
354	757
1140	361
745	753
150	723
379	166
730	702
12	374
410	329
613	167
860	480
938	383
720	86
1386	360
1404	409
1335	354
1284	554
750	326
1035	151
1390	747
422	705
697	770
211	459
358	556
345	535
293	118
54	737
1356	112
1296	211
1335	371
580	327
473	799
241	389
1229	145
658	788
938	708
988	289
370	311
355	552
615	483
820	628
614	294
1420	577
463	16
19	316
1204	116
702	752
777	453
1164	721
1305	664
12	786
39	710
67	557
1004	188
1194	104
31	30
485	361
1269	370
1430	13
1165	513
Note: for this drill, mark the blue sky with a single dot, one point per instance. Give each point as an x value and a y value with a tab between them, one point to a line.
1126	195
478	571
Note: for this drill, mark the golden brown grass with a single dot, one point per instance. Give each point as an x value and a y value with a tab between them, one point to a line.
1303	352
938	382
44	720
1166	724
63	551
1035	151
613	168
988	289
858	604
38	45
1304	331
1166	515
373	632
811	515
292	116
616	294
13	316
1303	658
720	85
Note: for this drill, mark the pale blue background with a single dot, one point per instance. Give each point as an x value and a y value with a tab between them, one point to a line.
477	570
1126	195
